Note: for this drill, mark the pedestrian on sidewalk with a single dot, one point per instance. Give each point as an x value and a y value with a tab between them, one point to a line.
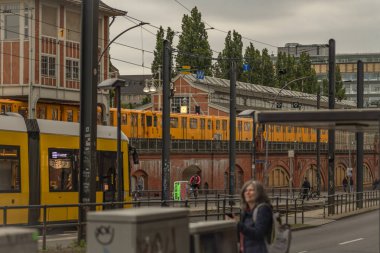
254	235
345	184
305	189
351	184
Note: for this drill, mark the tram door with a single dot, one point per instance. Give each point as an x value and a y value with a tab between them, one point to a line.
184	127
134	125
106	179
203	129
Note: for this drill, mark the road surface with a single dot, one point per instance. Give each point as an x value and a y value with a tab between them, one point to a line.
355	234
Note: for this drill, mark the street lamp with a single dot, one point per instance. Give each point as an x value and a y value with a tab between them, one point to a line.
267	130
116	84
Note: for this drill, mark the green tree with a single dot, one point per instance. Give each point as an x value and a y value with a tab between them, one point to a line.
268	78
193	47
233	50
340	91
305	69
158	51
252	57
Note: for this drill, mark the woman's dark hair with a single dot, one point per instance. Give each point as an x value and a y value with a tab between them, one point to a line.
261	196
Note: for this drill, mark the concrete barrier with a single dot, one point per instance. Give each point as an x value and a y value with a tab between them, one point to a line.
18	240
213	236
158	230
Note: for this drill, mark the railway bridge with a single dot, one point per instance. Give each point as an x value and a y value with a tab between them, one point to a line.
210	159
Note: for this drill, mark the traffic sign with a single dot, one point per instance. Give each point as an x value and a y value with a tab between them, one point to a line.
245	67
260	161
185	70
200	74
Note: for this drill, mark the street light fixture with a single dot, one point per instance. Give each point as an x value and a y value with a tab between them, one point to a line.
116	84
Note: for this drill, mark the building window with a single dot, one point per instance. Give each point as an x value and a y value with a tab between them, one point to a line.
73	26
49	21
11	21
72	69
48	66
10	169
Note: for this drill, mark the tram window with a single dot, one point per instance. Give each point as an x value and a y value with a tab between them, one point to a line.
217	124
278	129
134	119
54	114
9	108
155	121
2	108
202	123
209	124
289	129
124	119
173	122
10	169
70	115
247	126
62	170
240	126
224	124
193	123
106	177
149	121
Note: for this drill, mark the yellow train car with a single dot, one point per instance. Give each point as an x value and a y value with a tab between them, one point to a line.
40	166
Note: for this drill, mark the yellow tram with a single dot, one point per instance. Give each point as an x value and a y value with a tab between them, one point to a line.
39	165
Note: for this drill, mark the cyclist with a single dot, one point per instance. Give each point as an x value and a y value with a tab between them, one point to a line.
305	189
195	182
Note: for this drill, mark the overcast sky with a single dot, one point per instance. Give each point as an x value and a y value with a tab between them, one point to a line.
354	24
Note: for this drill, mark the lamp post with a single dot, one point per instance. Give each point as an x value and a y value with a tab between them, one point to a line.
116	84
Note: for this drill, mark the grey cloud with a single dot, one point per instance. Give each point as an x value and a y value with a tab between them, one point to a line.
353	23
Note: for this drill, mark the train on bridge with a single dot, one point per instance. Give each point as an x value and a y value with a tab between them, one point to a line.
148	124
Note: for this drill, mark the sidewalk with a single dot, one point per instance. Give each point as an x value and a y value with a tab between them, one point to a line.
316	217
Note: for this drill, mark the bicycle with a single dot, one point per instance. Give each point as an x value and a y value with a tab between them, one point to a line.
311	194
193	191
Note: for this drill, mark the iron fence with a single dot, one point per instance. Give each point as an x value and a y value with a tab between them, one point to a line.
219	146
209	206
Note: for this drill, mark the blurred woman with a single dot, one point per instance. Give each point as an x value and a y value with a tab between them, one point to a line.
255	232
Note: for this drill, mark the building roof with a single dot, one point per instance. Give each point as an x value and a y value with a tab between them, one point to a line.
102	7
134	84
213	84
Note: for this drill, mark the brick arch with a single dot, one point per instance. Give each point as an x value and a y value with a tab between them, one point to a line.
283	163
188	172
367	181
310	163
139	178
278	176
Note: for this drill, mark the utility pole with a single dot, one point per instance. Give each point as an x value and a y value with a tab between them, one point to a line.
232	126
165	170
254	177
331	138
88	106
319	146
359	137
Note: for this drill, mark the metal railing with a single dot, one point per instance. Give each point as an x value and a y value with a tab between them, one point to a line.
350	202
291	209
218	146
